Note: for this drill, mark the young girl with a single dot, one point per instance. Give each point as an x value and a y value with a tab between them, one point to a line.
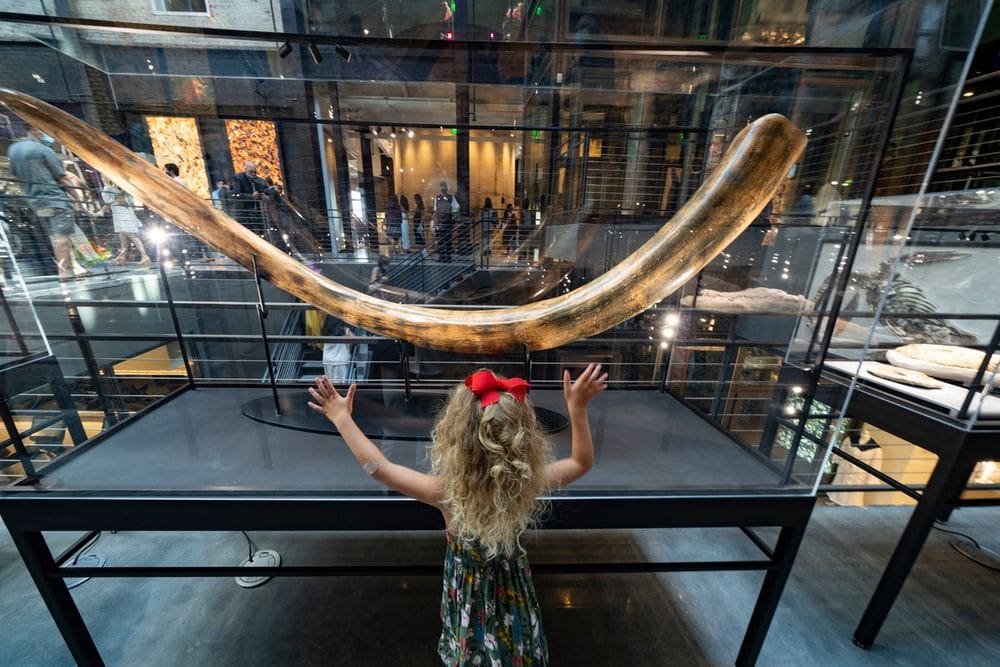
126	223
490	463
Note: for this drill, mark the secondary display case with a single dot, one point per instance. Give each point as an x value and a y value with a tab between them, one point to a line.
561	157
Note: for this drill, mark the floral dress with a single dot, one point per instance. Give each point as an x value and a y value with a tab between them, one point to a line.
489	611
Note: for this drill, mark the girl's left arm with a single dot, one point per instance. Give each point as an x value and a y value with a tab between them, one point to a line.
338	408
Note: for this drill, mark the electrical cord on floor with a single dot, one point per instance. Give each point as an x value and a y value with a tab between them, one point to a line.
988	566
85	548
249	546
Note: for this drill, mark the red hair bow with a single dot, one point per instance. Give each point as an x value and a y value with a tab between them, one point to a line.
488	386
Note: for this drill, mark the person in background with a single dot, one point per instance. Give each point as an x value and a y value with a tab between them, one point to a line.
393	223
445	210
217	194
404	204
51	191
380	273
225	194
418	220
487	221
249	190
273	191
174	172
126	223
336	356
248	185
510	229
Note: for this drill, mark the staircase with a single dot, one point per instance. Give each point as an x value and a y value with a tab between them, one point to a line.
422	276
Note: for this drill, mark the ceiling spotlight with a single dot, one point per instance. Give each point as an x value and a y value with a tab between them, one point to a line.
342	52
314	52
410	134
284	50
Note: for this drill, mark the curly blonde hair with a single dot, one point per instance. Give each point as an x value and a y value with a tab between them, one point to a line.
492	462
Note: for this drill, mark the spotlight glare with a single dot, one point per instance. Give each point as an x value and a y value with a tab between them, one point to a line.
157	235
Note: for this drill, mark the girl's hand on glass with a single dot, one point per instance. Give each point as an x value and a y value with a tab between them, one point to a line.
329	402
587	385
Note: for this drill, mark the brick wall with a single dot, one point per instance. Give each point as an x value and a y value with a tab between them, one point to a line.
254	15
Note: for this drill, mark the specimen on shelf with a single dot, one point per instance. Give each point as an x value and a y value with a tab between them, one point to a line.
903	376
753	300
947	362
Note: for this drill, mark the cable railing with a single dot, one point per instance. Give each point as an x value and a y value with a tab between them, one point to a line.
710	364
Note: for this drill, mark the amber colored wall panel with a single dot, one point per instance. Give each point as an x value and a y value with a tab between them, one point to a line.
175	139
255	141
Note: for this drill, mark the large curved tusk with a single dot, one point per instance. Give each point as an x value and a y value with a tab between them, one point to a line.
735	193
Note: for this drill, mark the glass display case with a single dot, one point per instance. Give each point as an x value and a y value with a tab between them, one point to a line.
912	333
494	155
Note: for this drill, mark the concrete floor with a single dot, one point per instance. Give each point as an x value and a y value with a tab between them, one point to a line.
947	614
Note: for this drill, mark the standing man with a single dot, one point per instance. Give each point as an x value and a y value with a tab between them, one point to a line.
217	195
445	210
248	190
52	192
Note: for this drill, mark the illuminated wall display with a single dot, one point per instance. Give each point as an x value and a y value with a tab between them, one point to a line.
424	160
175	139
255	141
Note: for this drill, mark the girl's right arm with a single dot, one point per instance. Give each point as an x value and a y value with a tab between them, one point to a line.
578	394
338	408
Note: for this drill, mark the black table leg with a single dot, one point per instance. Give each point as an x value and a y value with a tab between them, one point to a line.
945	484
785	550
42	567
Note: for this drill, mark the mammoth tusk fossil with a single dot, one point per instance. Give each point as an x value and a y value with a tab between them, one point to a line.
734	194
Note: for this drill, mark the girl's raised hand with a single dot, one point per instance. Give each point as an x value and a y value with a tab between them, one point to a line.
329	402
589	383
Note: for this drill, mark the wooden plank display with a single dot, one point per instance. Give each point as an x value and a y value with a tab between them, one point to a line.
727	202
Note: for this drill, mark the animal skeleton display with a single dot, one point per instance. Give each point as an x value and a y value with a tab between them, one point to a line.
902	315
905	302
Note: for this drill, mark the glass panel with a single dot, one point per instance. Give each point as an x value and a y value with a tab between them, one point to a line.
23	337
565	136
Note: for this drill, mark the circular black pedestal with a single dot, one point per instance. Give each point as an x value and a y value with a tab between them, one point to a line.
379	414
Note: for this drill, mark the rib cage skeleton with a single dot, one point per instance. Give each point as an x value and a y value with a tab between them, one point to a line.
865	289
735	193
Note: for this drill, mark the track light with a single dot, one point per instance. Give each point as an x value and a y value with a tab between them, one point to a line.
314	52
284	50
342	52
